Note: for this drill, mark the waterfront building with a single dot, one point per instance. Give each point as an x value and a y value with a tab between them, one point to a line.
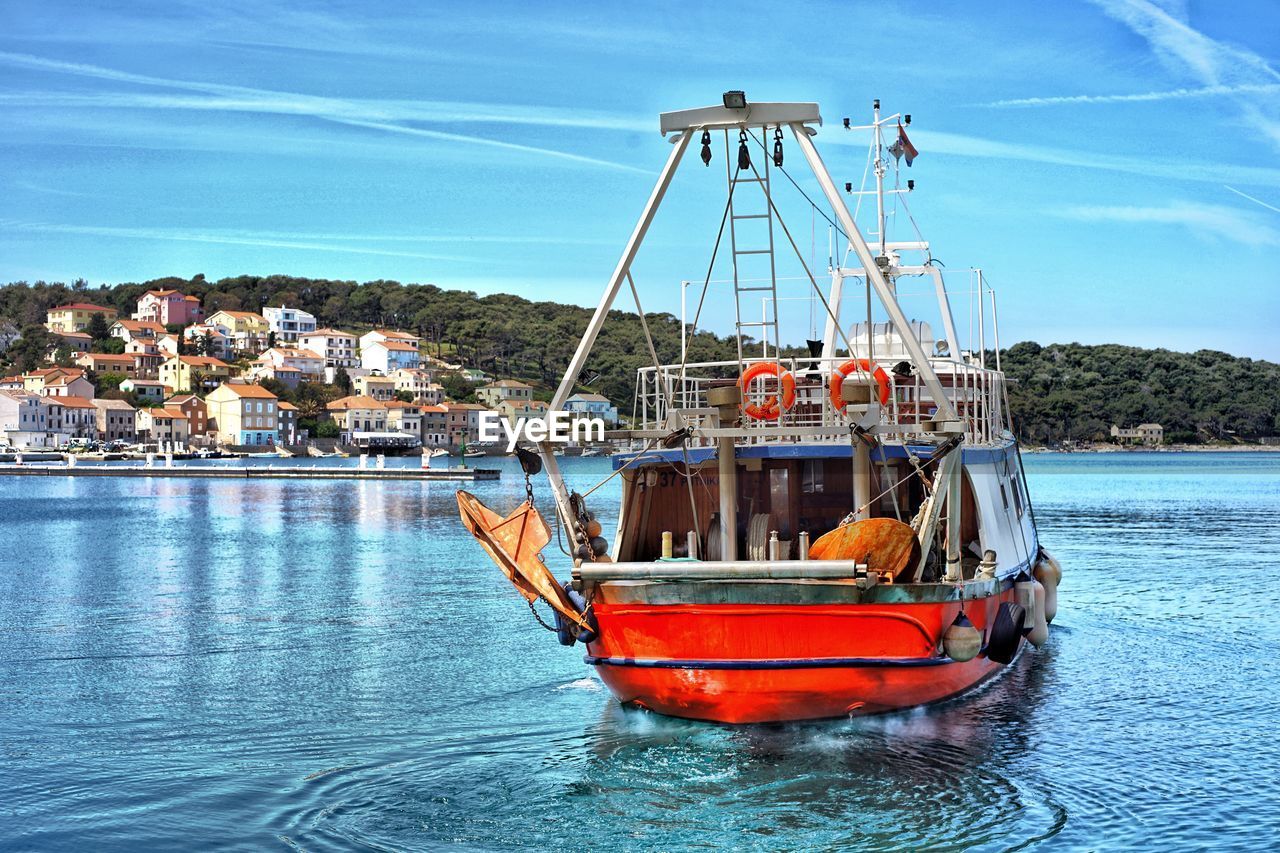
180	371
196	410
505	390
246	330
1150	434
24	420
243	414
374	385
163	426
72	417
75	316
288	416
435	425
101	362
462	422
289	324
116	420
152	390
358	413
593	406
337	348
168	308
404	417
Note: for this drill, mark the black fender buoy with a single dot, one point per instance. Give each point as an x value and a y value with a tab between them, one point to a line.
585	636
1006	632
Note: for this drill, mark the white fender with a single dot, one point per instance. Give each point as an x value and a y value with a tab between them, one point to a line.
1039	633
1049	572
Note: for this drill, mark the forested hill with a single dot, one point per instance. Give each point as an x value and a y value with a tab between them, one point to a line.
1059	391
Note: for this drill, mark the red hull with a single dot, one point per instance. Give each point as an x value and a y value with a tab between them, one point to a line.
755	663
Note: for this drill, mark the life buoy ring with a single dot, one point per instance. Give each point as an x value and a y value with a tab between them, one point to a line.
861	365
771	409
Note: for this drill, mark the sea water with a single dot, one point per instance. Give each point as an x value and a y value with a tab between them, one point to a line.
188	664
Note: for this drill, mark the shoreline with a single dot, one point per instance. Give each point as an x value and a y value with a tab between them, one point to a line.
1169	448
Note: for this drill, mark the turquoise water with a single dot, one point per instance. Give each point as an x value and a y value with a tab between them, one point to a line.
329	665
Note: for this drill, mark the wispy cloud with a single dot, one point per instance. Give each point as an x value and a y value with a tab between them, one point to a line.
314	243
1142	97
962	145
1218	221
389	116
1187	51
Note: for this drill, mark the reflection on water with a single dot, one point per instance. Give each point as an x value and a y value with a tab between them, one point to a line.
330	663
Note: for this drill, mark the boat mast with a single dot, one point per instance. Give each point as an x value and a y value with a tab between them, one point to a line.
879	170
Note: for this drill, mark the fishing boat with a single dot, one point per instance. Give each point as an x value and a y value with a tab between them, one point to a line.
833	529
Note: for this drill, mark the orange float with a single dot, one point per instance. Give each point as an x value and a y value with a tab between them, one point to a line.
772	408
860	365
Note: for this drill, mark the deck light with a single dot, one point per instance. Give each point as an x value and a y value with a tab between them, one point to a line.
735	100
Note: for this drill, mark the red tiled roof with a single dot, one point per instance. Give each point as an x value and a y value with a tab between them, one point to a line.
73	402
82	306
243	390
356	401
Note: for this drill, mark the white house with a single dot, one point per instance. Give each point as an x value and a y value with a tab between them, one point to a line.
24	421
310	365
338	348
289	324
389	355
592	406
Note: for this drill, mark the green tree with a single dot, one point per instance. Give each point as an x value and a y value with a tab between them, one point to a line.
98	328
404	396
28	352
343	380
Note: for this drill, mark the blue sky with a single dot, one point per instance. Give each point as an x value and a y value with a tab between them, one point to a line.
1114	166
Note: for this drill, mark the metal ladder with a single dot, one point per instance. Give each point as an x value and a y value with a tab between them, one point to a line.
752	258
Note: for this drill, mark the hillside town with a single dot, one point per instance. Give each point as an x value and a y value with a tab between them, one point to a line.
170	377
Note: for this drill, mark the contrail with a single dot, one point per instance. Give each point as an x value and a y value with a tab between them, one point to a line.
1254	200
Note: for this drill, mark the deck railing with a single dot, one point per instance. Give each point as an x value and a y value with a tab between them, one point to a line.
976	394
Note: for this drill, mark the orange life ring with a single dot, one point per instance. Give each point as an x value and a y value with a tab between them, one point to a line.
770	409
861	365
